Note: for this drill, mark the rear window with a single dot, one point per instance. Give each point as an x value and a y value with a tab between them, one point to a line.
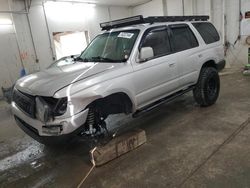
207	32
183	38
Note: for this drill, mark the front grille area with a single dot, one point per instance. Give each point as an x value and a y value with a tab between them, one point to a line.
25	102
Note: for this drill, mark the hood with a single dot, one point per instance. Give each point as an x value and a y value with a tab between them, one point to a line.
47	82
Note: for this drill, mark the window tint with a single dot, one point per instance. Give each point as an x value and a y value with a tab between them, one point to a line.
183	38
159	41
207	32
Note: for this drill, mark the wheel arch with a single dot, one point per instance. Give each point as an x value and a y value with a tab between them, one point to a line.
114	103
209	63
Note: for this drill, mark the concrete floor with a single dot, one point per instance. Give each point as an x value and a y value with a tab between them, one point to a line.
187	146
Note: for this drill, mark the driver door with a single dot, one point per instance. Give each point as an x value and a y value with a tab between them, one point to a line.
156	77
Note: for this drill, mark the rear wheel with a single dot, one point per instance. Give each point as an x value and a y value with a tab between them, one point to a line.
207	89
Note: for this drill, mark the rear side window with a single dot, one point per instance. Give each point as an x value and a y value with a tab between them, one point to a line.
183	38
207	32
158	40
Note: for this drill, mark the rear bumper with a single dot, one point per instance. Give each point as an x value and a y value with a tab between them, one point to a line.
67	125
221	65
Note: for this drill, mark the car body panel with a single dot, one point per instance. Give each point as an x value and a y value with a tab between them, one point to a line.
47	82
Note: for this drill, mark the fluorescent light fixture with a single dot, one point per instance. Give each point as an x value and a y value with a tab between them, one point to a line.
66	11
86	3
5	21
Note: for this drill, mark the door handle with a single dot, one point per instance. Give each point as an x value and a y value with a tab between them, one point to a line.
171	64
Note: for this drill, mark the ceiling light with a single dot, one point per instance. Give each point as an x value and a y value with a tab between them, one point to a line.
90	3
5	21
65	11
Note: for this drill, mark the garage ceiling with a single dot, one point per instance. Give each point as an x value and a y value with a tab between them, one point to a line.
111	2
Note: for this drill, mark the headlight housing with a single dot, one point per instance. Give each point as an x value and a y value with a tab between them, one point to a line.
42	109
49	107
61	106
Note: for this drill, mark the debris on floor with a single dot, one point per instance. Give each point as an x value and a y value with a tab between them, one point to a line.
117	147
246	71
7	94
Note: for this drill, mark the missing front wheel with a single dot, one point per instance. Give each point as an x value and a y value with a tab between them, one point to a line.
95	126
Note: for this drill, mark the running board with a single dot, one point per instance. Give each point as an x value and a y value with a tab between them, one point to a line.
161	101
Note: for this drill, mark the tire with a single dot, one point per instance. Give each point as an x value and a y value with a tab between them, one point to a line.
207	89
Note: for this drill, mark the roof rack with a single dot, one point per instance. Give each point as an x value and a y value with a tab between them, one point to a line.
152	19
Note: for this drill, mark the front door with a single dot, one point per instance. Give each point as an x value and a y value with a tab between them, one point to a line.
156	77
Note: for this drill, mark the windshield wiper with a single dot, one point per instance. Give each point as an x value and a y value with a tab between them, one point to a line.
81	59
99	58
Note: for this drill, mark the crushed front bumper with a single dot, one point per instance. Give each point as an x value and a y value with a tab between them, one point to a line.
58	127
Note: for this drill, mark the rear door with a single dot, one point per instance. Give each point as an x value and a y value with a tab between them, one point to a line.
185	47
157	77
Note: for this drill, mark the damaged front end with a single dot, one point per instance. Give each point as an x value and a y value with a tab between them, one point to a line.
47	108
45	116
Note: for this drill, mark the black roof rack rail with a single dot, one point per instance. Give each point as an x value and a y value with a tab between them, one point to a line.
122	22
152	19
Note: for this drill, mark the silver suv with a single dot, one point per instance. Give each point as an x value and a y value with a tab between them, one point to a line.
134	65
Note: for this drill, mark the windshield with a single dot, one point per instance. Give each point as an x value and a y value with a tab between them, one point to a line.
110	47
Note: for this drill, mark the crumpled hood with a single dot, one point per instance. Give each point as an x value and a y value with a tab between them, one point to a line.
47	82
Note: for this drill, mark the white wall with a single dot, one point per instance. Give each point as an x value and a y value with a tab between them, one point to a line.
174	7
237	54
217	16
163	7
152	8
9	58
24	38
202	7
232	20
10	63
188	7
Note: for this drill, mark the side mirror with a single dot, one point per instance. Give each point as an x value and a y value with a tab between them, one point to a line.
146	53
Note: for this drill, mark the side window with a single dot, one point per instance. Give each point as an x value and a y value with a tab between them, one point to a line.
207	32
183	38
158	40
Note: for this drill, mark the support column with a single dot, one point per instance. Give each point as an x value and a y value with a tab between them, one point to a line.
165	9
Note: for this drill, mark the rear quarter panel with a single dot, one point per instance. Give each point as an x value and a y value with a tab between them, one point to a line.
207	52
